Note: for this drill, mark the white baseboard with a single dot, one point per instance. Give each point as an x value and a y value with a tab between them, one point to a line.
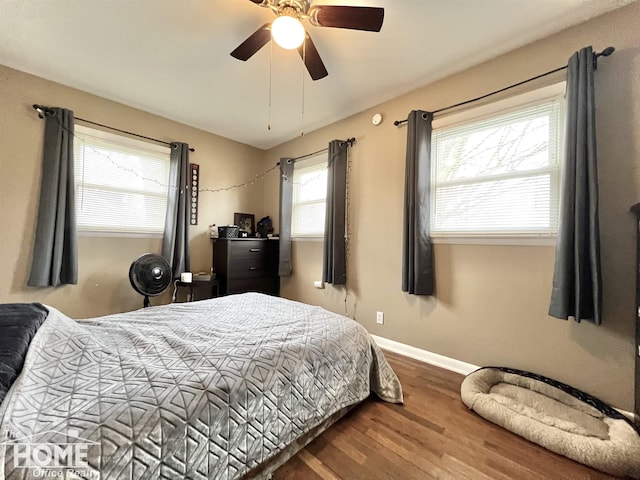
425	356
441	361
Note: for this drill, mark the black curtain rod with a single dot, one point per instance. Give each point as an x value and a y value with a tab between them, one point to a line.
310	154
350	141
605	53
42	111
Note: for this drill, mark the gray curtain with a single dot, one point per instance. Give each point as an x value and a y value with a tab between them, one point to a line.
286	198
577	280
335	256
175	242
55	253
417	253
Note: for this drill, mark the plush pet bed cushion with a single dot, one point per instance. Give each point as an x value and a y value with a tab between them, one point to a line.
18	324
556	416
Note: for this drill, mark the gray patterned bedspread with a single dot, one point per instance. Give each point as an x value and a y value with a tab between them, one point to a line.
207	390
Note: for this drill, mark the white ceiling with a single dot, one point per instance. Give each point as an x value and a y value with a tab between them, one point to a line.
171	57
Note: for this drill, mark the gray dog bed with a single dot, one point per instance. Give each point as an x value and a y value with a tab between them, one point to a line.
555	416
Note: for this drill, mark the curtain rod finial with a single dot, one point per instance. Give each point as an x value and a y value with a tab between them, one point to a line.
604	53
607	51
42	110
39	109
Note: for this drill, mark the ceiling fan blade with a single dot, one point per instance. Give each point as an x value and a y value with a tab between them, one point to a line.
309	53
255	42
355	18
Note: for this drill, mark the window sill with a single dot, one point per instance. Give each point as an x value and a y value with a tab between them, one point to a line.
526	240
102	234
307	239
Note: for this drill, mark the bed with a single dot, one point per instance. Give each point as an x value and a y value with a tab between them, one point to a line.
224	388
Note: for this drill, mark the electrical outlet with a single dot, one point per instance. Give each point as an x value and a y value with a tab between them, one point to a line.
380	318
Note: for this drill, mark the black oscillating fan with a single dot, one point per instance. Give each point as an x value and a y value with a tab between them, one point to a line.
150	275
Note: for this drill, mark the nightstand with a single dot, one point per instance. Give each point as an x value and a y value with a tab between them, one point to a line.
214	285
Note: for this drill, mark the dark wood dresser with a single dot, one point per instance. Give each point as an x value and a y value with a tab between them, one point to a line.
636	353
246	265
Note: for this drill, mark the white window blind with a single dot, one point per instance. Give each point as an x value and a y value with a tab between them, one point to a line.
498	175
121	183
309	197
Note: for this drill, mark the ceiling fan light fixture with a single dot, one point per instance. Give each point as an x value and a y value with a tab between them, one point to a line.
287	32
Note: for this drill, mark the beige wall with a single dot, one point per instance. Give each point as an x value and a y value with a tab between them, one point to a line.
103	285
491	302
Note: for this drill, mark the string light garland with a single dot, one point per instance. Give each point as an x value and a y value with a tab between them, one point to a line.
42	111
347	236
118	165
243	184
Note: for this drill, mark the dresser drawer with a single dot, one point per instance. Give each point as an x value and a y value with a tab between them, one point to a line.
247	259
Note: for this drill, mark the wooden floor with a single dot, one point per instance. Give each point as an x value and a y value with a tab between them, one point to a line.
432	436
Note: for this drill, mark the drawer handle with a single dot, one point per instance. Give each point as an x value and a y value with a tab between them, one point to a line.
253	268
255	249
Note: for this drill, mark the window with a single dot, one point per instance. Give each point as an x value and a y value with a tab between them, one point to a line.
309	197
496	173
121	183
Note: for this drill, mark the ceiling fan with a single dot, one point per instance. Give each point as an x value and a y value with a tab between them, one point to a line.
289	33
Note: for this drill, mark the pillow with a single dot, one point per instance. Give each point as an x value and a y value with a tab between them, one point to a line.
19	322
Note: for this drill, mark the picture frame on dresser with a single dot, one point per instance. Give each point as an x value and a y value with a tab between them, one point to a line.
246	222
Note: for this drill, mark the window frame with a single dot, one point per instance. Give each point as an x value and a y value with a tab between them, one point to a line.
311	163
91	231
490	111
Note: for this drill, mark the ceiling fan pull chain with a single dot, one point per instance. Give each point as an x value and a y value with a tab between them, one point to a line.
270	70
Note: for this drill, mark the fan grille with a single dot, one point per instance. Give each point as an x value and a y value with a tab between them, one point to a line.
150	274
